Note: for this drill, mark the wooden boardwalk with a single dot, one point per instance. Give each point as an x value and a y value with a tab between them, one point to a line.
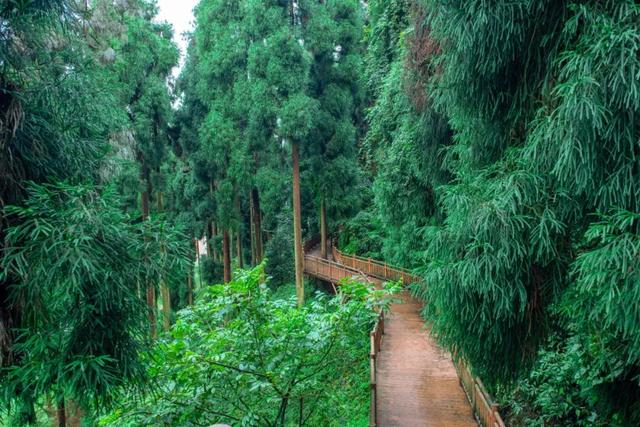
417	384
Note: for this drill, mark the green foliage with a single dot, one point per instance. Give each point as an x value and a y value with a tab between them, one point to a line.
258	78
550	394
85	101
75	260
388	19
504	154
567	385
242	356
403	144
360	235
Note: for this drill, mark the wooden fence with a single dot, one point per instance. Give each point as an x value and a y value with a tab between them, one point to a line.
354	266
380	270
376	344
483	406
329	270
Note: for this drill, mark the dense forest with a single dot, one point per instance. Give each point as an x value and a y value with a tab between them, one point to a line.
153	228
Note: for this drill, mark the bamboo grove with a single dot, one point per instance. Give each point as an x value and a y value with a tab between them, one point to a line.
491	147
506	149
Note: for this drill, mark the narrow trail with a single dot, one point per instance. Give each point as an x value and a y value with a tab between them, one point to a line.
417	383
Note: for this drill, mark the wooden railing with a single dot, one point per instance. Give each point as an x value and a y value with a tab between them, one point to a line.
483	406
334	272
376	344
329	270
374	268
354	266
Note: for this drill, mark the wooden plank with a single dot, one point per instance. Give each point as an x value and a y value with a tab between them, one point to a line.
417	384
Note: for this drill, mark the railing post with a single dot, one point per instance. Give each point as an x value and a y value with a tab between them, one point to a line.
373	417
494	411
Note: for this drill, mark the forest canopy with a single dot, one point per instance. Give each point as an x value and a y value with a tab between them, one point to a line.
153	228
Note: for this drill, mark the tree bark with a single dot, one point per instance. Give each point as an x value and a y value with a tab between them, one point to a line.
61	414
256	216
212	241
166	306
189	290
198	260
323	228
297	225
239	249
252	236
146	210
151	303
160	201
226	256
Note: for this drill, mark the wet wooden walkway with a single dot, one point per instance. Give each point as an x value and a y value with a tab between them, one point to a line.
417	384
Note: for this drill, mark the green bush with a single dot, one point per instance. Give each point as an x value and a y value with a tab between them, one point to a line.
243	357
362	235
564	389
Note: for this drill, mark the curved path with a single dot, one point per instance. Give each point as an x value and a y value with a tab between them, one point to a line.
417	384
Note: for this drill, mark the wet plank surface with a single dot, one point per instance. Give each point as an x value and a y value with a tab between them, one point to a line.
417	383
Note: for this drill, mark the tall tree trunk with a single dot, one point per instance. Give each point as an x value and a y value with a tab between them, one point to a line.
211	246
209	234
238	242
226	256
160	197
297	225
198	260
151	303
212	241
232	244
164	288
323	228
239	249
166	305
252	236
61	414
151	290
189	289
256	216
144	203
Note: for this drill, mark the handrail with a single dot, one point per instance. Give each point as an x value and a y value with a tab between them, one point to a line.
483	406
373	261
334	271
330	270
376	344
374	268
